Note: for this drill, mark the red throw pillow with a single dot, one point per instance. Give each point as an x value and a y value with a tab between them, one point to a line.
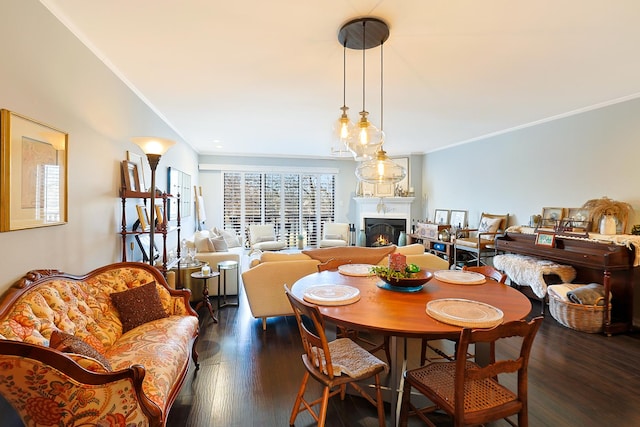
139	305
68	343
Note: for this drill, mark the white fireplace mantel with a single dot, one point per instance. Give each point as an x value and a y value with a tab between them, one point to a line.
383	207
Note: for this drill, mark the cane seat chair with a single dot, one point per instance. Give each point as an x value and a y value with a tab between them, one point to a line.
487	271
343	332
470	393
334	364
480	242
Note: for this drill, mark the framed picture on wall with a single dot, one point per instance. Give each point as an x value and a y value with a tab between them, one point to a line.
403	186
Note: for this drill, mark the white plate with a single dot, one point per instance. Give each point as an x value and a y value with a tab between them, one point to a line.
331	294
355	269
460	277
465	313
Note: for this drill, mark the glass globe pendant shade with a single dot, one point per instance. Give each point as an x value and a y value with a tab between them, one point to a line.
342	129
366	139
381	170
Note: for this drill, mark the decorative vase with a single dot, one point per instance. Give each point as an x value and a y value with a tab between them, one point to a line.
608	224
402	239
362	238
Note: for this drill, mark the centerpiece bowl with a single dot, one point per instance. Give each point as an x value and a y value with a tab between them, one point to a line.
412	283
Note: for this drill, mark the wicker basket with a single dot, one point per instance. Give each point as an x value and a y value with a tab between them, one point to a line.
584	318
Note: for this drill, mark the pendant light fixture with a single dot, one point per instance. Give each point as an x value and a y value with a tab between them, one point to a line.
343	127
381	169
363	34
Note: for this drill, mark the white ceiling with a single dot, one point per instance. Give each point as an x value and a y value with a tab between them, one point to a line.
265	77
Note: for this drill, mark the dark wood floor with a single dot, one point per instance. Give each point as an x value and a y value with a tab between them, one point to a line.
250	377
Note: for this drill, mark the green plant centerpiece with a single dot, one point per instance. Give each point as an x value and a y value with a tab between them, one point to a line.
598	208
410	271
408	279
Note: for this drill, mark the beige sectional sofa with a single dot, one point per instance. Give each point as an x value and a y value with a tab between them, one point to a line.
269	271
67	358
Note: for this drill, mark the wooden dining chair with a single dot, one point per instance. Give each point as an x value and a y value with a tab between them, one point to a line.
344	332
488	272
334	364
470	393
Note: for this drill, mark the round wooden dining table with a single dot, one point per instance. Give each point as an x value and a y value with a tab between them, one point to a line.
403	314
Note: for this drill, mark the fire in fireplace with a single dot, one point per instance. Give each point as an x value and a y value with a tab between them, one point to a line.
383	231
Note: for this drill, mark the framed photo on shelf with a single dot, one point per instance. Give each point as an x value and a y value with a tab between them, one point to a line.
458	218
403	185
441	216
550	216
143	217
33	182
130	177
545	239
137	160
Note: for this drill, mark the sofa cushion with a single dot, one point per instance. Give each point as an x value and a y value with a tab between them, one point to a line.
219	244
355	254
138	305
162	347
489	225
68	343
201	241
230	236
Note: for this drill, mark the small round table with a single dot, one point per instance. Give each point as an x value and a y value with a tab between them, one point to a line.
205	291
225	266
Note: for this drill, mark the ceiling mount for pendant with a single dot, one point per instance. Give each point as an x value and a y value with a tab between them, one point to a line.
354	36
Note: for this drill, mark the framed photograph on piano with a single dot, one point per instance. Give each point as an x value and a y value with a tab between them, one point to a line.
545	239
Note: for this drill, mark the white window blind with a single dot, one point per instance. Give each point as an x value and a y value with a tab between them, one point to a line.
294	203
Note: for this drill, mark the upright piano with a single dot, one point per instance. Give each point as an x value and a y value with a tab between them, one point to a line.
601	262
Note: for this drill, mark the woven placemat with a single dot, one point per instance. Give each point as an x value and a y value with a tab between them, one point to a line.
355	269
330	294
465	313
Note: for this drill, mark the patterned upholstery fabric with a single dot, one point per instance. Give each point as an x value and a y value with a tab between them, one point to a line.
84	309
47	397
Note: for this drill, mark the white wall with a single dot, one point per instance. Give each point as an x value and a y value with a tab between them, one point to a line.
49	75
557	164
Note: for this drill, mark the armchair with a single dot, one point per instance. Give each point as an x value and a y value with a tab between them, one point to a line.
263	237
334	234
480	242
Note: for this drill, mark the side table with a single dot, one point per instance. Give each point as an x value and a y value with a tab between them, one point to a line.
225	266
205	291
187	282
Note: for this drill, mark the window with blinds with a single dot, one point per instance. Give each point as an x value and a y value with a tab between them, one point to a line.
294	203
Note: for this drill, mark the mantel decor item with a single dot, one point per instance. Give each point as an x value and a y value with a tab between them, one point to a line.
33	177
600	209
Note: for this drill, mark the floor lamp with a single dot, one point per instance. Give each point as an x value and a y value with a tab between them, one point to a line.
153	148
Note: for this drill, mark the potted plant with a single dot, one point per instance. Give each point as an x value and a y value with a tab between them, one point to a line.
604	212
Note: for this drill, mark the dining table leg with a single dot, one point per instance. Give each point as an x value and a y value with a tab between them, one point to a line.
397	367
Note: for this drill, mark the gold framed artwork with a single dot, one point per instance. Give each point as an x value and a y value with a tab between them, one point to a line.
34	173
143	217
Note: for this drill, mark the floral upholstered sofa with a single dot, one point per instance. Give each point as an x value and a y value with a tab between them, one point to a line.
111	347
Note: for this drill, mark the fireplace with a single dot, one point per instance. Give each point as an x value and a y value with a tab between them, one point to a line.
383	231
